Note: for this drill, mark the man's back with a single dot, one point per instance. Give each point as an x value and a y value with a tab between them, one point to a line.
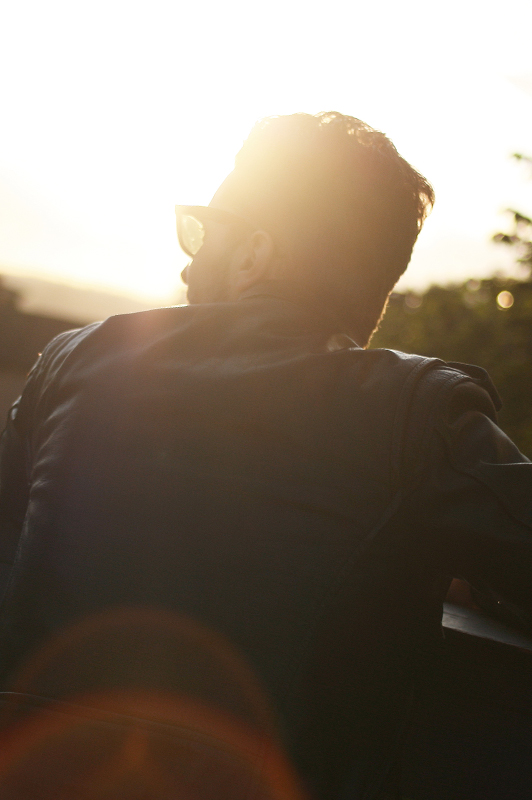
224	462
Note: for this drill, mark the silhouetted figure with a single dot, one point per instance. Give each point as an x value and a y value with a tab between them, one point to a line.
246	463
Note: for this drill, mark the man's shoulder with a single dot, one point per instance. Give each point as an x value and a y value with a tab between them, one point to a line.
75	350
429	394
114	330
426	386
430	372
412	373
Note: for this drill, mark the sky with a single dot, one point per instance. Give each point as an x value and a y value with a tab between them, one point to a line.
112	112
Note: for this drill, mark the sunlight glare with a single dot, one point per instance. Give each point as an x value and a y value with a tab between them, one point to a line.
118	112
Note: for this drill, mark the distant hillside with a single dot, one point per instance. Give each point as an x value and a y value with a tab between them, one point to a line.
38	296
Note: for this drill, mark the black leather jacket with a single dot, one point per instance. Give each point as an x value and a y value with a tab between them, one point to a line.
308	501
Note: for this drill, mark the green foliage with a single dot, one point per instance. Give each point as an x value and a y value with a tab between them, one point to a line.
520	236
466	323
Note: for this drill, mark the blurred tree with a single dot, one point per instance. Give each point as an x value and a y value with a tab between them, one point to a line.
521	235
485	322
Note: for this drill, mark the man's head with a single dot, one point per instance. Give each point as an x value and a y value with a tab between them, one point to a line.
326	205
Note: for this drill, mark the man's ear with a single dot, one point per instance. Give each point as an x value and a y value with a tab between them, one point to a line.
254	262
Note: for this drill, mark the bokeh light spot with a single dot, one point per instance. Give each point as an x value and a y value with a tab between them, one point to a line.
505	299
413	301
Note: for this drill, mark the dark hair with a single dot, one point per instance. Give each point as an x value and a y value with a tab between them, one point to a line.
342	203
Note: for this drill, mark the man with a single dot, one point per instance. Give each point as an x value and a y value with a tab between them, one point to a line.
245	462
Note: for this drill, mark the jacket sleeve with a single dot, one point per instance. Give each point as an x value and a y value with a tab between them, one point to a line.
15	462
14	491
16	445
473	504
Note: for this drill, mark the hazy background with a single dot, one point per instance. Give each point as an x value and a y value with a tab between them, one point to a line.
112	112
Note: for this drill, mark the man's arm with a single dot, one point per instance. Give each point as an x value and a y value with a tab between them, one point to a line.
13	493
15	445
474	504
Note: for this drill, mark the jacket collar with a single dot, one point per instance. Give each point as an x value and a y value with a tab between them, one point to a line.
321	319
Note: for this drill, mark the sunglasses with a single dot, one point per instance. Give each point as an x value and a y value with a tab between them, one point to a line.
190	222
